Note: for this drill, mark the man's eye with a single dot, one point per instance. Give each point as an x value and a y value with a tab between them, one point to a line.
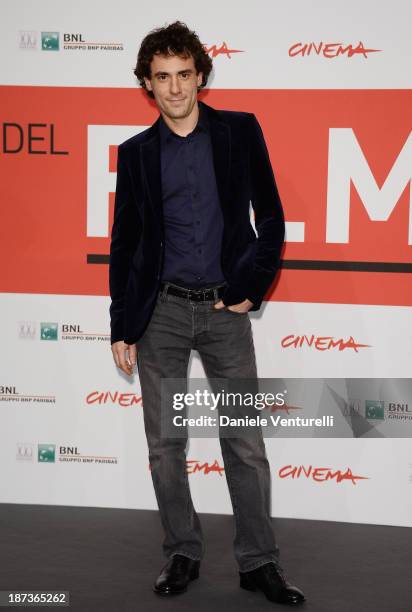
185	75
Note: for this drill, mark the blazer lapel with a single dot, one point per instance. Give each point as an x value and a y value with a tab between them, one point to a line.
221	149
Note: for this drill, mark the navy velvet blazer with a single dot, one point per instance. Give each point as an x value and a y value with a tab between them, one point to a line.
243	174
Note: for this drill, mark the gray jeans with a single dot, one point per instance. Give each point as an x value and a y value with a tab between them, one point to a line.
224	341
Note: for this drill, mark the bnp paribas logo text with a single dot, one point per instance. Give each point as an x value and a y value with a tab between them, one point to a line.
374	410
48	331
50	41
46	453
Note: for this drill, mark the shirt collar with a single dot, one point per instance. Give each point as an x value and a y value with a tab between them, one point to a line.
202	125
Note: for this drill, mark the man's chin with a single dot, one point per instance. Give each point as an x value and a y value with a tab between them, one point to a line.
177	113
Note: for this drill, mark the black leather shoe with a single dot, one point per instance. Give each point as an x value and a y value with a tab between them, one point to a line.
176	575
272	580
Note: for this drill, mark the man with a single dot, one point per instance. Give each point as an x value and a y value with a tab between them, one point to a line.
185	269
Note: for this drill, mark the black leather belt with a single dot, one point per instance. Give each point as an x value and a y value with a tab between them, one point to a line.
196	295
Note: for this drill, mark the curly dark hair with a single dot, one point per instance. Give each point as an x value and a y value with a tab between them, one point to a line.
174	39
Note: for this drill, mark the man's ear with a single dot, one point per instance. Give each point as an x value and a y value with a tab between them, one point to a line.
199	79
148	84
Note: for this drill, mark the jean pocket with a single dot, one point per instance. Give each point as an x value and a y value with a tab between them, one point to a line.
234	312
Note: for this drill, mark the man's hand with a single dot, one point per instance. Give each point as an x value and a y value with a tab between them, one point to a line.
124	356
241	307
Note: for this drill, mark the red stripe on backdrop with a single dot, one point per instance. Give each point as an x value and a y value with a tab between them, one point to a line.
44	242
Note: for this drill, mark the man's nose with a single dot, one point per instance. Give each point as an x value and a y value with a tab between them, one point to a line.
175	85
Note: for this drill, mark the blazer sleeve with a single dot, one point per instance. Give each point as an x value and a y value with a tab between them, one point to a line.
125	234
269	217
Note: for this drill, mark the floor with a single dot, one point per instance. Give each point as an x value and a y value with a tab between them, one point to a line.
108	559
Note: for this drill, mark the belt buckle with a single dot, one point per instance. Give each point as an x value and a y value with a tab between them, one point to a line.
198	294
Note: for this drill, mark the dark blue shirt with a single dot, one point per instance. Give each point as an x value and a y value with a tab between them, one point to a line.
193	220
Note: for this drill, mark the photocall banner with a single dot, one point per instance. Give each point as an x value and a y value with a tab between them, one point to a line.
330	85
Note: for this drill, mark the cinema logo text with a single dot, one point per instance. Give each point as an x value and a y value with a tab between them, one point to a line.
125	400
285	408
322	343
214	50
330	50
319	474
194	466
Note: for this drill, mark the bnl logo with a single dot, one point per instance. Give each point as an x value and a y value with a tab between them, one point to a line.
46	453
50	41
374	410
48	331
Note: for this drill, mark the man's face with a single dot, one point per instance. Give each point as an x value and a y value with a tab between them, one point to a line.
174	84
